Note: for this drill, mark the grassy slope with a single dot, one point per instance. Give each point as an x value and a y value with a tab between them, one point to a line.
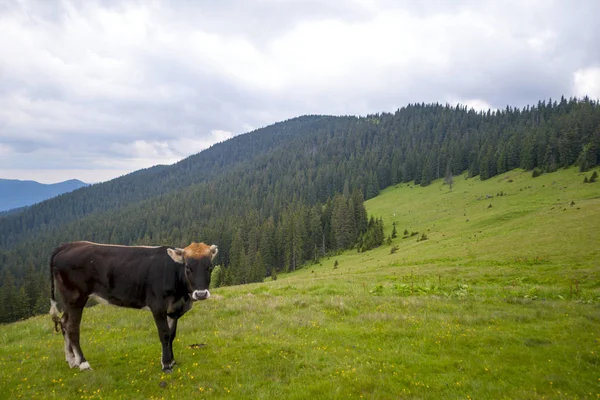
499	302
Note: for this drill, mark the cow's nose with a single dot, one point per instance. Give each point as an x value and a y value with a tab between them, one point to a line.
200	294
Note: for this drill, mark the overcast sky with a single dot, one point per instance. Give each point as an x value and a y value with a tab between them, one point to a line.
94	89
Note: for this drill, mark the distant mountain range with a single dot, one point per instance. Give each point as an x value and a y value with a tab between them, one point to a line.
16	194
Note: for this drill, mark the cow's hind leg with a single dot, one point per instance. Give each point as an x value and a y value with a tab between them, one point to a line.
69	356
72	328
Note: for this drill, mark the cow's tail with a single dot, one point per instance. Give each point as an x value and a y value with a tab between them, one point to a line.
54	313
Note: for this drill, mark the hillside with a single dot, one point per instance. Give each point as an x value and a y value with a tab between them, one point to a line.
497	302
16	193
290	193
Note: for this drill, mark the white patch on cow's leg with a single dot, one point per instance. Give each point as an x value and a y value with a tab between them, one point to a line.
69	356
84	365
170	322
76	358
54	310
167	369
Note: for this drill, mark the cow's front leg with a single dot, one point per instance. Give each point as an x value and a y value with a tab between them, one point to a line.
164	334
172	322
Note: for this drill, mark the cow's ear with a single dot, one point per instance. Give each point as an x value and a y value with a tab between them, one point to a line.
214	250
176	255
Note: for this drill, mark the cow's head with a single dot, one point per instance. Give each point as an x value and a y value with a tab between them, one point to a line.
197	259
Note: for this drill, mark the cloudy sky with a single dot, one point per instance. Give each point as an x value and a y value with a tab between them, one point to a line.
95	89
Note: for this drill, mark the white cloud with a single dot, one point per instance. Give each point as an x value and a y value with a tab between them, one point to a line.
586	82
4	150
542	41
475	104
131	84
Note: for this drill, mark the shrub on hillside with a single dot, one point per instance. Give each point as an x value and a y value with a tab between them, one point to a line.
373	237
216	277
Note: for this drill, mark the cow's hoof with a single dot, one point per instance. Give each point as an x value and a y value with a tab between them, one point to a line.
170	364
168	368
84	365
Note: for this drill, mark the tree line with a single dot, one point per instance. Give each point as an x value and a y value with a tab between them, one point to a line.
258	248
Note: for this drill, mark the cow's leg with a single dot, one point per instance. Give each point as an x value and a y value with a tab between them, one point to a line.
173	332
73	326
164	334
69	356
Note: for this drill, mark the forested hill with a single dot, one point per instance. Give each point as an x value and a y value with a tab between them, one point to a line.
281	195
155	181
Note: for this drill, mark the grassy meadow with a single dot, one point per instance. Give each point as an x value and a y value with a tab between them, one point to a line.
501	301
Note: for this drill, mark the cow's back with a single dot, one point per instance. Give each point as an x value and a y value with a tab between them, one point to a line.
122	275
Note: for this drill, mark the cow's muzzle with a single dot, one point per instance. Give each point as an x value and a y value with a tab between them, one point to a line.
200	294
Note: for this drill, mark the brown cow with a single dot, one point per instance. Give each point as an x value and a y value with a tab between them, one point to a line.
165	280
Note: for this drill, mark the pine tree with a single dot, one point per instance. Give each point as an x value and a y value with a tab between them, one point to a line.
21	308
258	268
342	223
31	286
315	232
267	246
373	237
8	299
360	212
448	179
372	186
586	159
236	260
428	172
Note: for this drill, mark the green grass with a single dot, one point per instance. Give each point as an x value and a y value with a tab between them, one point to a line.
500	302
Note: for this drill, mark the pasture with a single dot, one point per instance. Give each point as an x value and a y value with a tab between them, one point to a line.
502	300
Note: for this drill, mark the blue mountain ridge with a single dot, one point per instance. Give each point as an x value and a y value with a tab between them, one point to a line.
16	193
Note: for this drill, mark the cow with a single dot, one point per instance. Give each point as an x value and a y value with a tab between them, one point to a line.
165	280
